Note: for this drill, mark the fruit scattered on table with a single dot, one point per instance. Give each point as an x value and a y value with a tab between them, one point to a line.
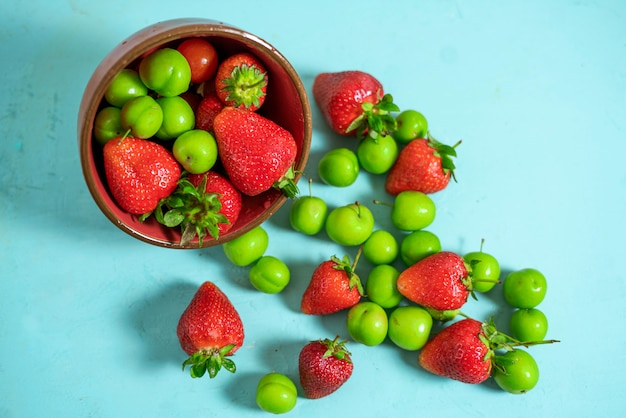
147	112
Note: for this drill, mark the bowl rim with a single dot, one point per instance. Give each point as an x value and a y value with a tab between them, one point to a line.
130	49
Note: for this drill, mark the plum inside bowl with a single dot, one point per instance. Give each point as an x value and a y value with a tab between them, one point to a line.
286	104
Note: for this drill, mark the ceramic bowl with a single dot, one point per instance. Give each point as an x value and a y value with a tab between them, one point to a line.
286	104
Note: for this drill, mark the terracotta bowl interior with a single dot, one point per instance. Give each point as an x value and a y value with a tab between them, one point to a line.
286	104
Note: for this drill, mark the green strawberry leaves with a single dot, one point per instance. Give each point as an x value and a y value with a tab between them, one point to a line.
210	361
245	86
376	119
336	348
349	268
446	153
287	184
193	209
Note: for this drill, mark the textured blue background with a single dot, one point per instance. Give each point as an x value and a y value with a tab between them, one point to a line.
537	93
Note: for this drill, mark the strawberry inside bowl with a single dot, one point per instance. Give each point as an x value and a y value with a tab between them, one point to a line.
285	103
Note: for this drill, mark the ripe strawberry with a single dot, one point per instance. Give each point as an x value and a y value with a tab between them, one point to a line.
208	108
324	366
241	81
424	165
353	103
440	281
139	173
210	330
466	350
202	205
460	351
256	153
334	286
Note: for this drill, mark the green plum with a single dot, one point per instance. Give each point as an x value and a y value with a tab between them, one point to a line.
269	274
276	393
125	86
380	286
377	155
350	224
367	323
417	245
381	247
409	327
485	270
516	371
178	117
196	151
412	210
308	213
166	71
339	167
411	124
108	125
529	324
525	288
142	116
247	248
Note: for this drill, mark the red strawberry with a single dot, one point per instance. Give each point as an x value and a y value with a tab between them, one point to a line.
202	205
241	81
424	165
139	173
256	153
439	281
324	366
466	350
210	330
334	286
460	352
353	103
209	107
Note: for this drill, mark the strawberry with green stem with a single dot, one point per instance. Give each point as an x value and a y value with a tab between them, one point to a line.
467	350
324	366
241	81
203	205
353	103
334	286
257	153
424	165
210	330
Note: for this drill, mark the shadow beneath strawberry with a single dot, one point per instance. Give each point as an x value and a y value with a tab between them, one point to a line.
154	318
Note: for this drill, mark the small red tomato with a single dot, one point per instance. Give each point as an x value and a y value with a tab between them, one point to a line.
202	58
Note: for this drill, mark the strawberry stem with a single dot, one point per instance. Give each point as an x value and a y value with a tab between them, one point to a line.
287	183
336	348
193	209
376	119
350	269
211	361
245	86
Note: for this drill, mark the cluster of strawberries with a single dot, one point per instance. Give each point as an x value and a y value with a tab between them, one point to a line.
255	154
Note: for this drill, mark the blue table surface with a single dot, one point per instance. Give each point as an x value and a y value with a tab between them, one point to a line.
537	92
